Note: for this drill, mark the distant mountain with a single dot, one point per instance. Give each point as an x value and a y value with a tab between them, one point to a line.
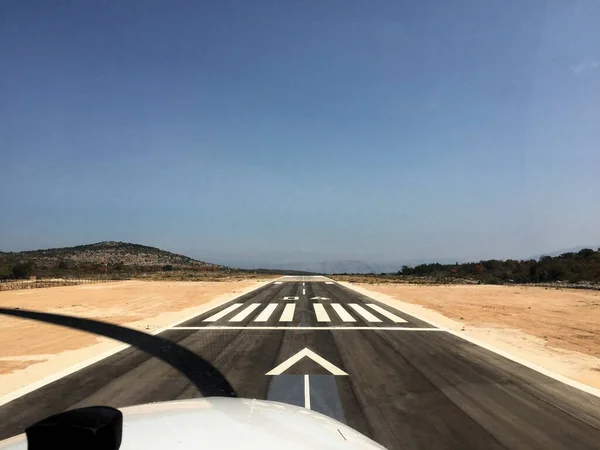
330	267
110	252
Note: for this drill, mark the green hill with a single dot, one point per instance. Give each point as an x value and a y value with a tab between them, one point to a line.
96	258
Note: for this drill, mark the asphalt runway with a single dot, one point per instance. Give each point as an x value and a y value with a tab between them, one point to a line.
314	343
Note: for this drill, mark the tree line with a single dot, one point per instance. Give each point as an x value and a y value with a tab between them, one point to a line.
25	269
572	267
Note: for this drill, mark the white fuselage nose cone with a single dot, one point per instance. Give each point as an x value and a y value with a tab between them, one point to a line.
215	423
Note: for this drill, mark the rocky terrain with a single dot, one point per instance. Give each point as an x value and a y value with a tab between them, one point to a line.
107	252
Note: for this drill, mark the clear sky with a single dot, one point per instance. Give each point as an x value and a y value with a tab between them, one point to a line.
302	130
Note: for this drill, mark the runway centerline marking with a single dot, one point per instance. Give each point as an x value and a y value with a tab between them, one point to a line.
223	313
364	313
245	313
393	317
306	392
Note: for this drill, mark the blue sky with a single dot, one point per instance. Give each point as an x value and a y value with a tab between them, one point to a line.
302	130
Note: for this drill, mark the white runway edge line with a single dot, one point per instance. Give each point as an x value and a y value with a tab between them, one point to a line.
344	315
386	313
223	313
266	313
322	315
364	313
88	362
245	313
288	313
389	301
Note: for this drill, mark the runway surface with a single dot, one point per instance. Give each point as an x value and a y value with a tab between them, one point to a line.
311	342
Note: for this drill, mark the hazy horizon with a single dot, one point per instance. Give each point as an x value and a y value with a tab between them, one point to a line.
293	132
292	261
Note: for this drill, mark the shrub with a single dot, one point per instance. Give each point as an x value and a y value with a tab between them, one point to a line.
22	270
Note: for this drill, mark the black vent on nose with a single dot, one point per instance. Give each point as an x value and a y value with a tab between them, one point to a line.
91	428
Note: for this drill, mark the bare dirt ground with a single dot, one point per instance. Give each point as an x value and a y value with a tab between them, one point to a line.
558	329
31	350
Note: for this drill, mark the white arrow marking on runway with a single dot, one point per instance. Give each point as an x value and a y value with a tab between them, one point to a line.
306	352
320	298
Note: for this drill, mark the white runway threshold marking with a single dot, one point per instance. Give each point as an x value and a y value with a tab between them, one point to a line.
344	315
300	328
385	313
223	313
322	315
266	313
320	310
288	313
364	313
245	313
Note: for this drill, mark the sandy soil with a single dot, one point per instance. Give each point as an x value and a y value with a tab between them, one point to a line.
31	350
558	329
555	329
